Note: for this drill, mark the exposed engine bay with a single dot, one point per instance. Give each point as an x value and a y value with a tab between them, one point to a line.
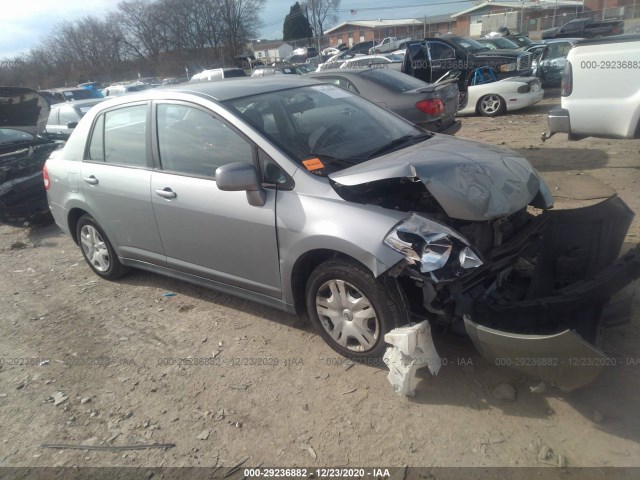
529	287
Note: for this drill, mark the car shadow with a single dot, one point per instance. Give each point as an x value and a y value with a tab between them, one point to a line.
562	159
141	278
466	379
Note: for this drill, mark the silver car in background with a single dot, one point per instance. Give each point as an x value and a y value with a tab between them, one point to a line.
306	197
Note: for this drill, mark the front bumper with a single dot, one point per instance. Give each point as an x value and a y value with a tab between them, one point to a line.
564	359
553	332
559	120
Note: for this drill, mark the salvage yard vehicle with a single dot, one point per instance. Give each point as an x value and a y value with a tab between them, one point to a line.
388	45
588	109
309	198
23	151
390	60
506	95
64	117
430	106
550	58
58	95
432	58
585	28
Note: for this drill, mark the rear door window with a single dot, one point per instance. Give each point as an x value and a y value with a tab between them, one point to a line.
119	137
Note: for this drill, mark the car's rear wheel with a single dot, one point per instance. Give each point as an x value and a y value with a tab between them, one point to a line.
97	250
351	309
491	105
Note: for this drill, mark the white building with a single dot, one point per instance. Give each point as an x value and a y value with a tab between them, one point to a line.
271	51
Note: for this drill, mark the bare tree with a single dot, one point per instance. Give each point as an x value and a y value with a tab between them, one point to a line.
240	21
143	33
319	12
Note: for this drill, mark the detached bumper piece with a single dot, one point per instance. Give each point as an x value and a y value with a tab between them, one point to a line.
554	330
412	348
559	122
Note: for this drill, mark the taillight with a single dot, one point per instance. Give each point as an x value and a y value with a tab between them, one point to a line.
433	106
567	80
45	175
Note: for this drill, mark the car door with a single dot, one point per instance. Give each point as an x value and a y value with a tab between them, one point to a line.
116	178
442	58
205	231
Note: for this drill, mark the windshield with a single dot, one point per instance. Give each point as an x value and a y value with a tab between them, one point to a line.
505	43
522	40
79	94
326	128
9	135
468	44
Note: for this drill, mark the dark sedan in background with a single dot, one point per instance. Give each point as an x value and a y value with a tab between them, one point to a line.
430	106
23	151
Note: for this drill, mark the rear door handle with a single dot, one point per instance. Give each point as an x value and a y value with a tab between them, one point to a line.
91	180
166	193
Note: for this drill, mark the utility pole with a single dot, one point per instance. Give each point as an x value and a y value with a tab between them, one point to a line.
424	29
521	15
555	8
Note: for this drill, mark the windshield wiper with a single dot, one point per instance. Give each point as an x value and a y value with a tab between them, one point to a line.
394	144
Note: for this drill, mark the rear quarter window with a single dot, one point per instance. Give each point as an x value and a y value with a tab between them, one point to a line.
395	83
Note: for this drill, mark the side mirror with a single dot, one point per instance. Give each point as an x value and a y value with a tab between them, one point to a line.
235	177
72	124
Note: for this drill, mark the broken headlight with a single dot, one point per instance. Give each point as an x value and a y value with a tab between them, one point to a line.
435	248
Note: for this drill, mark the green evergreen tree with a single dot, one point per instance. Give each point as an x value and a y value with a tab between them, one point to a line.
296	25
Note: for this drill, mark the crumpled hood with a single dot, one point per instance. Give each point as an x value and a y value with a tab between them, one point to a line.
470	180
23	109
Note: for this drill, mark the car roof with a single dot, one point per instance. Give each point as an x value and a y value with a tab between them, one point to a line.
240	87
560	40
78	103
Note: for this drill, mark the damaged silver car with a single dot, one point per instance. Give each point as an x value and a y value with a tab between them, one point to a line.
305	197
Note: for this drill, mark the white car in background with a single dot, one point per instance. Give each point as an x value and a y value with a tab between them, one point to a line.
506	95
600	90
391	60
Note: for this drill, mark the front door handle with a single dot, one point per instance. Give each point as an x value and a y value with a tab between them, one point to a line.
166	193
91	180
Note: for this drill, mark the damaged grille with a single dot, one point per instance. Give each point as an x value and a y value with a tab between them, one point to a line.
524	61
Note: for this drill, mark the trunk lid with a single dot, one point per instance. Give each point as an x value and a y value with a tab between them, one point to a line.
23	109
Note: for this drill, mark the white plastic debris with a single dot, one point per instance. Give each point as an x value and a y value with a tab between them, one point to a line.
412	348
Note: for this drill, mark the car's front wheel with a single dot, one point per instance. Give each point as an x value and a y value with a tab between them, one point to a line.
491	105
352	310
97	250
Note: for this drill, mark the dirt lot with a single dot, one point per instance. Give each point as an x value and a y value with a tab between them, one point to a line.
302	406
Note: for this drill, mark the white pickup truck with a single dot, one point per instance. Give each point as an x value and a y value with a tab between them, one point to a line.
600	90
387	45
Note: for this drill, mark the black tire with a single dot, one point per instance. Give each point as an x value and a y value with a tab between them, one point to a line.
491	105
104	262
386	300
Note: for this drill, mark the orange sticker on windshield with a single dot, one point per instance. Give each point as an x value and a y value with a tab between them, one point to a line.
313	164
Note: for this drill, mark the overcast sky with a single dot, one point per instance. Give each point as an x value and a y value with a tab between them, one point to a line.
23	23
